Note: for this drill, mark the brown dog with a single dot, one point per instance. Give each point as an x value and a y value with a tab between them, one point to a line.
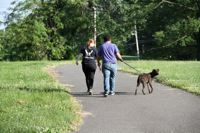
146	79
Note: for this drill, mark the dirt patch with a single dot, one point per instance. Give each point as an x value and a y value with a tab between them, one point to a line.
51	71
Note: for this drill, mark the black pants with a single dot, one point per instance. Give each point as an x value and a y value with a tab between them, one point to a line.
89	71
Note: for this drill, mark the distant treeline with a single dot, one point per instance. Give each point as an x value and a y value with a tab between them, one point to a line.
56	29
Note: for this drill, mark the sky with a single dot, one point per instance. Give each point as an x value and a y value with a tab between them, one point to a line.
4	5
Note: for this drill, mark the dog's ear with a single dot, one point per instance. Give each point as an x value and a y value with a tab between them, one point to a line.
155	70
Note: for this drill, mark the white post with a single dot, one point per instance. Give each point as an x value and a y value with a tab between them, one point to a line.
95	21
136	40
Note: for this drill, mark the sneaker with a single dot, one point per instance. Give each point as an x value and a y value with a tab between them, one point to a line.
90	92
112	93
105	94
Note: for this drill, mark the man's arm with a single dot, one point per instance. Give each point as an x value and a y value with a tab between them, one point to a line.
119	57
117	53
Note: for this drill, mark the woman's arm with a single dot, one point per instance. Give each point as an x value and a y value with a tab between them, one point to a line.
78	57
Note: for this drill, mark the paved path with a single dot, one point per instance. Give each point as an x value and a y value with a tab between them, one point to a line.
167	110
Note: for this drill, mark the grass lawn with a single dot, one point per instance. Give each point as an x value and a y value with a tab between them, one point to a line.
179	74
32	101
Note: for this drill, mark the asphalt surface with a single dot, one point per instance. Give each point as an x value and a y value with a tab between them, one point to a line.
166	110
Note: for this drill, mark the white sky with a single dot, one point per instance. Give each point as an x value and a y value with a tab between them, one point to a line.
4	5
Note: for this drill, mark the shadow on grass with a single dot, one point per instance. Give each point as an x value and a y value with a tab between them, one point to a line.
36	89
75	94
43	90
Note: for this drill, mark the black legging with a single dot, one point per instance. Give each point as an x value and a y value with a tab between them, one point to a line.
89	71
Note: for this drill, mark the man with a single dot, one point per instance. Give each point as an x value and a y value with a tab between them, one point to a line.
109	53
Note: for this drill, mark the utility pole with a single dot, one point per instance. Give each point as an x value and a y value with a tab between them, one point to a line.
93	6
95	24
136	40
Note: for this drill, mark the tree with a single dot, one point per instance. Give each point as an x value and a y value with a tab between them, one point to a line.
1	44
177	24
60	27
25	41
36	16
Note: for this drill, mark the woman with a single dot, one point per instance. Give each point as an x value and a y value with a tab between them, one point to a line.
89	56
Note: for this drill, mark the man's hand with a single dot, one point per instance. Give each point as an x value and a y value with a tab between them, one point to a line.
121	59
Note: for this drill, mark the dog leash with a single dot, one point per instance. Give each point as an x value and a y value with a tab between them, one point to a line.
131	67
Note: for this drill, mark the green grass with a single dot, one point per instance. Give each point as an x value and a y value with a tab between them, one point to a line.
33	102
180	74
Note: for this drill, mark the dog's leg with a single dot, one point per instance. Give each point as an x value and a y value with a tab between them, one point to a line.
148	88
143	86
136	91
136	88
138	83
151	87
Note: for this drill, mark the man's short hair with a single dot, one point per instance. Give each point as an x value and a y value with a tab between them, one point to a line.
107	38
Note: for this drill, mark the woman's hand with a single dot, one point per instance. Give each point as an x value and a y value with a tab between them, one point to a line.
99	65
77	63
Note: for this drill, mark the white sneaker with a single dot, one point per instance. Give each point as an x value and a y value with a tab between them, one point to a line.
112	93
90	92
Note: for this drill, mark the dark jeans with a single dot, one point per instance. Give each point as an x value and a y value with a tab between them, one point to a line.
89	71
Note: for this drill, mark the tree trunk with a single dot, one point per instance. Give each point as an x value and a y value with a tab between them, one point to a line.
198	34
198	45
